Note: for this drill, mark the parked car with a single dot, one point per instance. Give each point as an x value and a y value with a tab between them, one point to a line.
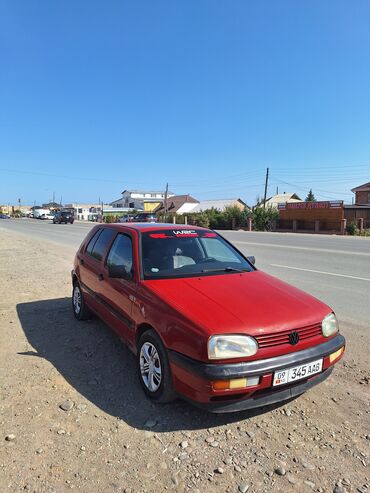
63	217
203	322
4	216
145	217
126	218
46	216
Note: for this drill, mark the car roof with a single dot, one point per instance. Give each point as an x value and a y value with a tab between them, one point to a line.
152	226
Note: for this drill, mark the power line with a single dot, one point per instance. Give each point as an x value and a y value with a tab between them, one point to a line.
305	188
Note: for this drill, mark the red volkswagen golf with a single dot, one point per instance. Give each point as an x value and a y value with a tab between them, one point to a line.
203	322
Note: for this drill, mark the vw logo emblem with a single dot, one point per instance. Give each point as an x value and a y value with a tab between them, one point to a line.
293	338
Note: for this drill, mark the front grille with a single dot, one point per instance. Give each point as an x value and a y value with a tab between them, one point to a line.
280	338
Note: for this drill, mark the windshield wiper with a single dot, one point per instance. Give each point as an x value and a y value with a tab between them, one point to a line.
225	269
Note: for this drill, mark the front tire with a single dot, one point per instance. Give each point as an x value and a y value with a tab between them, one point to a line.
80	310
154	369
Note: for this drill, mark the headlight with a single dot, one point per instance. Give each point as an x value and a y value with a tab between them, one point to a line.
329	325
223	347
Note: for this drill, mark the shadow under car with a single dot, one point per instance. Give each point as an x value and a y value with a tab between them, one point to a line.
95	362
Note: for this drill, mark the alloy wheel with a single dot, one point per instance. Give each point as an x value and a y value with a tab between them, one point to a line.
150	367
77	299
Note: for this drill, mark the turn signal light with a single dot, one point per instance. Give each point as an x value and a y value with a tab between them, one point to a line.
334	356
235	383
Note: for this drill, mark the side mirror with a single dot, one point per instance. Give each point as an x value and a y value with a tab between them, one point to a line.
251	259
119	272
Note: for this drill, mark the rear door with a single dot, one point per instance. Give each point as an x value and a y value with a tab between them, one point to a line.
117	294
90	267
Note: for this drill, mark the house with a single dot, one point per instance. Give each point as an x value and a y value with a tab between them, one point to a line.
141	200
178	204
10	209
362	194
360	210
280	198
219	204
118	211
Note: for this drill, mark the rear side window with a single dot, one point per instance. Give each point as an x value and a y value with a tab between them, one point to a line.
99	243
91	244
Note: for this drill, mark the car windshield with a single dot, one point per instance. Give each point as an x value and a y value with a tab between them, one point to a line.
185	253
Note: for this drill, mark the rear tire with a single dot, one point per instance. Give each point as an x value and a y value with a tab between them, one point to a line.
80	310
153	368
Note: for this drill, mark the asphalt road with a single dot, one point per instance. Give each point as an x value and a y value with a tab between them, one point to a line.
335	269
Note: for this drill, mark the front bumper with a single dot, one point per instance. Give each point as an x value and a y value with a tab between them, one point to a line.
267	398
193	378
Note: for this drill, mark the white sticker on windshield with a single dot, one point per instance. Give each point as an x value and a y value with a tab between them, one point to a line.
185	232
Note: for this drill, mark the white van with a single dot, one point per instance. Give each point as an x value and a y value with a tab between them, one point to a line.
42	214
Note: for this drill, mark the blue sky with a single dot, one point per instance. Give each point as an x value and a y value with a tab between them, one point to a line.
98	97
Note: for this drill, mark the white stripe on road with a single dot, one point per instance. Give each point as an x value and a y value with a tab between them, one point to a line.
321	272
310	249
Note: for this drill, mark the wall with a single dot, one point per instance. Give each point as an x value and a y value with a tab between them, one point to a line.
362	198
306	213
150	206
353	213
239	205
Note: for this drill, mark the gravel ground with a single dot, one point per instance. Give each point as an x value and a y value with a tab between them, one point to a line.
74	417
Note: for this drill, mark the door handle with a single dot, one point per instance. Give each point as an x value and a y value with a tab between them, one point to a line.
100	277
135	301
81	260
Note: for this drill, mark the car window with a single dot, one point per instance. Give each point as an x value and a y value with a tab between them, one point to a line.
184	253
92	242
120	254
218	250
102	243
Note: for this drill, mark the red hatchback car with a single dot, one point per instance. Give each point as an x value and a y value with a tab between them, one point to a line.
203	322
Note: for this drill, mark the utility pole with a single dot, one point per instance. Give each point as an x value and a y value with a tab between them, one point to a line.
266	182
165	203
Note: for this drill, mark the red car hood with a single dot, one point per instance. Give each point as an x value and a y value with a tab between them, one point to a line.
252	302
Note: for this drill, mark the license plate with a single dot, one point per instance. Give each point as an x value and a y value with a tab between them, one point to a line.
282	377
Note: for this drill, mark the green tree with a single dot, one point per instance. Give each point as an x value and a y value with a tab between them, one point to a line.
264	219
235	217
310	196
352	228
